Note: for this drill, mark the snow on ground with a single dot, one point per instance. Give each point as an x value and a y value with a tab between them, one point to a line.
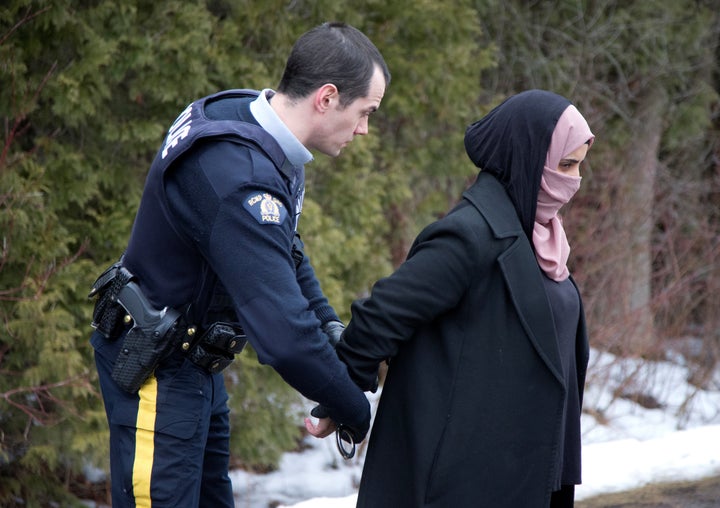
673	435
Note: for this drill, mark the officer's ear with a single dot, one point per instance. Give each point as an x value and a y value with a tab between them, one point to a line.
326	98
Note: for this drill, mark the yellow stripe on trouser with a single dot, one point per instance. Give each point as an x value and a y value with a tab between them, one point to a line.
145	443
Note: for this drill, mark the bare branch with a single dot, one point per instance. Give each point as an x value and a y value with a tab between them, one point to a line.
40	414
25	19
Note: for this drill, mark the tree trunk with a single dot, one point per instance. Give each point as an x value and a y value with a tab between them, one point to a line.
635	221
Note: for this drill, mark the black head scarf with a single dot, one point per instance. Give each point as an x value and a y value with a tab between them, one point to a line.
511	142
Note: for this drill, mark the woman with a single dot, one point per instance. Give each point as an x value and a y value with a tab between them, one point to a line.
484	331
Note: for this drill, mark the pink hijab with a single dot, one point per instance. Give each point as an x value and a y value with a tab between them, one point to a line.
551	246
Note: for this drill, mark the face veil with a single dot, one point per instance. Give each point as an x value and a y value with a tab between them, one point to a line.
511	143
552	249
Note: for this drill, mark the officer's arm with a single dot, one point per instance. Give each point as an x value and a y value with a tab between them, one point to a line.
244	231
310	287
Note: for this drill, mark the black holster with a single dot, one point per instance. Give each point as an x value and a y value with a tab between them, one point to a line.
108	314
142	350
154	333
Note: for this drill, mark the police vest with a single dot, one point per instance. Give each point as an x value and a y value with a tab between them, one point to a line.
191	126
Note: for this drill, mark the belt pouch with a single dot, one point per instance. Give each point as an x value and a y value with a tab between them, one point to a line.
217	347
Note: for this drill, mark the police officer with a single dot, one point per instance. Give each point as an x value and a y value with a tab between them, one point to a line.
215	241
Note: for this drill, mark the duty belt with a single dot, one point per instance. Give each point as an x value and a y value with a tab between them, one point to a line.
154	334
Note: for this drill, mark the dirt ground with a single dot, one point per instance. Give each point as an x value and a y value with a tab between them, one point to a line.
700	494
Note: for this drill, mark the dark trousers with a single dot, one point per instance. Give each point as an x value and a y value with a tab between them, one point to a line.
563	498
169	443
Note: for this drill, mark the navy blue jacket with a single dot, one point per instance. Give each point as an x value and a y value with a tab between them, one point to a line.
218	215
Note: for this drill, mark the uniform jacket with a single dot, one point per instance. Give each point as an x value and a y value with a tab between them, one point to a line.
218	216
471	409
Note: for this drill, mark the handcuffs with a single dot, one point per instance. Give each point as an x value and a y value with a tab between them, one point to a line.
345	442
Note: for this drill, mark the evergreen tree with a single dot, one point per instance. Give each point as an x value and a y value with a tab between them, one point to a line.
88	91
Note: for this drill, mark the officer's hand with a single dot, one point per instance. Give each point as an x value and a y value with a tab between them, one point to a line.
358	432
323	428
333	330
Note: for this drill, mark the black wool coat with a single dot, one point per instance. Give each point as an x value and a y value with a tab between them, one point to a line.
471	409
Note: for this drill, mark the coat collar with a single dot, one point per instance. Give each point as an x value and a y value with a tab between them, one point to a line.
489	197
520	269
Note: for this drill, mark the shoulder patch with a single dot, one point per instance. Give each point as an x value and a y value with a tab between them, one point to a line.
265	208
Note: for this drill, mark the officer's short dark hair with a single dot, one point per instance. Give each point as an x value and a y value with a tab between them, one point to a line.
334	53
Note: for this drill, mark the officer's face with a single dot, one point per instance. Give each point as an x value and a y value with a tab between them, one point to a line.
342	124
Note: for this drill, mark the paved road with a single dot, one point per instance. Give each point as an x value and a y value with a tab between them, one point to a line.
700	494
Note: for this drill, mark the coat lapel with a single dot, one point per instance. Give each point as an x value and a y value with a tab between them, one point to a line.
528	294
520	270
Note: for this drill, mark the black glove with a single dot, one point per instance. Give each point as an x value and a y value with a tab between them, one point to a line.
333	330
358	434
319	412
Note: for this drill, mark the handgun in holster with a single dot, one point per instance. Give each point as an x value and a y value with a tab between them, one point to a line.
153	333
153	336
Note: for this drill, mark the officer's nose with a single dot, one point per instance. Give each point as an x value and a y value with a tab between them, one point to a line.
362	127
